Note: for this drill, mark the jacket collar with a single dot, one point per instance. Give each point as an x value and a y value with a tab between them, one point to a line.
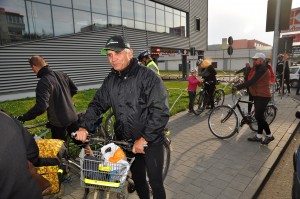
127	71
43	71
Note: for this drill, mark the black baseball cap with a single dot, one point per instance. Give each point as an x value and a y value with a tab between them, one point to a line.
115	43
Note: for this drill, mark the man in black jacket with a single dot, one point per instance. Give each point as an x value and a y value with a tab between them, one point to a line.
138	98
54	93
16	148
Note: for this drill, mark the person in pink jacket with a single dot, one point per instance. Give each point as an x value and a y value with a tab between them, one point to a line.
192	87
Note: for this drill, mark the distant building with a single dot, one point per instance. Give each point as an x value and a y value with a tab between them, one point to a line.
243	51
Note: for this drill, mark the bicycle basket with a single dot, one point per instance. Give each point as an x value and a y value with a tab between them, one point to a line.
96	173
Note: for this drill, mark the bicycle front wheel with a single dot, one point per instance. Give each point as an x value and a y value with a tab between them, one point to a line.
200	103
167	156
270	114
219	96
223	122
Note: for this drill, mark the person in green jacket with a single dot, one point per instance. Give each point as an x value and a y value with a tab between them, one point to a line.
145	58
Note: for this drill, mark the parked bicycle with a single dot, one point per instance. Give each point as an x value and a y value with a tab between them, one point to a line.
223	121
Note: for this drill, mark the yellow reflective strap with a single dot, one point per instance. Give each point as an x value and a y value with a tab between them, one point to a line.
104	168
102	183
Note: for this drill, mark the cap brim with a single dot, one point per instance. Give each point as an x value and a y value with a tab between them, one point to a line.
104	50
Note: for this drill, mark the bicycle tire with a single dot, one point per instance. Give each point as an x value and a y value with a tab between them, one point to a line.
270	114
219	96
200	102
109	126
167	157
223	122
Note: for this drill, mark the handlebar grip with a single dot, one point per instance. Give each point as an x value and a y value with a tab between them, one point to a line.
73	135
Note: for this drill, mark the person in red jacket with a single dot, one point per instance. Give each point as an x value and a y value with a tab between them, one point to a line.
259	88
192	87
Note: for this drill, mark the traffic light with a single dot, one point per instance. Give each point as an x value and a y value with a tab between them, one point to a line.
192	51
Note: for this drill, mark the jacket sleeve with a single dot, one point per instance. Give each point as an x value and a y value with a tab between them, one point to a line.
99	105
259	72
158	110
72	86
43	91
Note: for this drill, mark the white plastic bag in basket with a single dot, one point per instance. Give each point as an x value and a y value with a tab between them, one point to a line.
120	166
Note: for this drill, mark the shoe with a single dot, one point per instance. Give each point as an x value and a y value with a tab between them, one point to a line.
190	111
297	93
255	139
268	139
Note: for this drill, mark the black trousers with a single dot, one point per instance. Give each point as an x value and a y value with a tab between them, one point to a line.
210	90
61	132
152	162
260	104
192	95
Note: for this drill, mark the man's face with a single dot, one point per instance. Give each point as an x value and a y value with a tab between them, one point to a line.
257	61
119	60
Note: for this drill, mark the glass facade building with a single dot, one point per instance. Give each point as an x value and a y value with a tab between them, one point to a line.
31	20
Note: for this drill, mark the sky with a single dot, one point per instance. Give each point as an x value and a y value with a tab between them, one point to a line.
241	19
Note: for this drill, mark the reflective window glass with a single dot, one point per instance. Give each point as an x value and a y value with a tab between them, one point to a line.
176	21
62	20
160	6
82	5
10	9
150	3
127	9
140	1
183	14
168	9
139	25
150	27
44	1
99	6
114	21
150	15
177	12
160	17
160	29
82	21
183	25
114	7
139	12
128	23
66	3
100	21
169	19
40	23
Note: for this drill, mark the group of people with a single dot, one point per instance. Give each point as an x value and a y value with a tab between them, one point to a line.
257	80
137	97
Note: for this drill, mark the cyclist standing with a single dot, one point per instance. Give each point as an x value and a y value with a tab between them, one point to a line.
209	76
145	58
138	98
54	93
259	87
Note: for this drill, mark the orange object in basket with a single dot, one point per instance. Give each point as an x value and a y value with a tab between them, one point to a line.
118	155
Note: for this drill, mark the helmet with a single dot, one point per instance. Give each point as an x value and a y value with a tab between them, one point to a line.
143	54
199	62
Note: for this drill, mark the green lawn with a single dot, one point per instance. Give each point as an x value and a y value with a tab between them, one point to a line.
82	99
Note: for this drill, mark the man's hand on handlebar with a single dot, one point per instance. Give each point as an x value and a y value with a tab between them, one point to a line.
81	135
139	146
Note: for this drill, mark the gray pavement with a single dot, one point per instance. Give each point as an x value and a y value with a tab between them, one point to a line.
203	166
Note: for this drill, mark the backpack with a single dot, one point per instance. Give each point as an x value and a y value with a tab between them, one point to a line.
51	152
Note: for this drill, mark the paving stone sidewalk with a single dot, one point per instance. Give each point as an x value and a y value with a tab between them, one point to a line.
203	166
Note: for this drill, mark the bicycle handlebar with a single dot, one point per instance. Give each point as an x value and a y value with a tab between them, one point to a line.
122	143
36	125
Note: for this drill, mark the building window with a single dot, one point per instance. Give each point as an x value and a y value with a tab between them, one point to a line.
197	25
62	21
